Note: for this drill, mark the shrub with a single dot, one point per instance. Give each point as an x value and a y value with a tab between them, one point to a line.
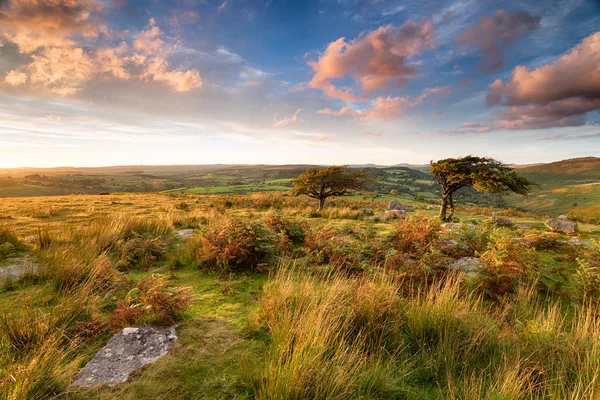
153	302
140	253
588	270
293	230
414	235
236	244
506	262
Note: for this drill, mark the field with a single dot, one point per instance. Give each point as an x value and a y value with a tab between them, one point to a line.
569	186
275	300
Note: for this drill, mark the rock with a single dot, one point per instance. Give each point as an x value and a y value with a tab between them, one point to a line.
577	241
452	248
367	211
185	233
560	225
563	217
455	225
470	266
395	214
31	239
522	226
502	221
127	351
17	267
396	205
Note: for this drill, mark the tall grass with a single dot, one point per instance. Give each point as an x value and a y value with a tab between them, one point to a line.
336	336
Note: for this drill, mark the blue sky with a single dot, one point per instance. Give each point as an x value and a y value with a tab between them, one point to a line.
116	82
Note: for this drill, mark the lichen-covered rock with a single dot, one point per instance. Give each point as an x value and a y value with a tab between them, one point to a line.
17	267
377	218
127	351
367	211
457	225
396	205
521	226
502	221
561	225
470	266
185	233
395	214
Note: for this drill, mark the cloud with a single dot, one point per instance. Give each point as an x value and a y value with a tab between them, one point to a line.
222	6
492	34
374	61
554	95
32	24
369	133
15	78
386	108
64	70
185	18
287	120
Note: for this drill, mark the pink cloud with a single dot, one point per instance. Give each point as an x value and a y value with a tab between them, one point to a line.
63	70
375	60
492	34
557	94
32	24
287	120
369	133
223	6
386	108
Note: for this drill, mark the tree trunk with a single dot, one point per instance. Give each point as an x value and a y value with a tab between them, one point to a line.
451	203
444	207
321	204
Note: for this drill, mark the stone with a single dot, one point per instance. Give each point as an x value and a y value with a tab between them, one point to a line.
456	225
395	214
127	351
499	220
560	225
185	233
452	247
31	239
470	266
563	217
17	267
396	205
577	241
367	211
522	226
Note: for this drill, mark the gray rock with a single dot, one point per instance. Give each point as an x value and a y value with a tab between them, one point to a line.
185	233
396	205
128	350
395	214
17	267
452	247
31	239
560	225
522	226
367	211
563	217
456	225
470	266
502	221
577	241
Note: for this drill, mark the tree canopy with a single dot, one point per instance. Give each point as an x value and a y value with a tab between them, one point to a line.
322	183
483	174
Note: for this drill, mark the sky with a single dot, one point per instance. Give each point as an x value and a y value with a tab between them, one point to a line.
131	82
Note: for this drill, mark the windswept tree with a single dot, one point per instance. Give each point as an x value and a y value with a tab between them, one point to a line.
482	174
322	183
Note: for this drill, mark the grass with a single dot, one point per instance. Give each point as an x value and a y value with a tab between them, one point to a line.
321	304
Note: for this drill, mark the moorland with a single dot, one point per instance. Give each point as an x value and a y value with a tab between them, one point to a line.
276	300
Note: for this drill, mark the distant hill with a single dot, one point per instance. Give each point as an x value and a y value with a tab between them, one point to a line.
565	187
